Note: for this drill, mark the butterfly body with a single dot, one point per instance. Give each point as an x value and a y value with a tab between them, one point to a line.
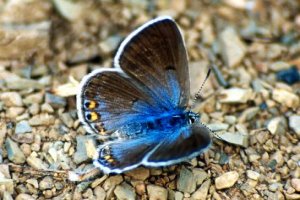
141	105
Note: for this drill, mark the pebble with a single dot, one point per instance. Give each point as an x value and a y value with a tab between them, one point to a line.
278	157
23	84
125	191
226	180
47	108
14	112
199	175
23	127
7	196
295	182
235	95
85	149
55	101
235	138
8	184
215	127
294	123
14	152
140	173
253	175
34	109
33	182
46	183
34	98
110	44
67	119
186	181
233	49
99	193
68	9
177	196
157	193
277	126
112	181
286	98
36	163
280	65
11	99
43	119
24	197
201	193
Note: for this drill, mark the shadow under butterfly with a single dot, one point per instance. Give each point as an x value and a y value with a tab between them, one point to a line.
141	105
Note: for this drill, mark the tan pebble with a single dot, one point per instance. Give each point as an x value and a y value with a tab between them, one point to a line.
296	184
226	180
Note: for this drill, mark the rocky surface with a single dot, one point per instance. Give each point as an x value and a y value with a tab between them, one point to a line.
251	100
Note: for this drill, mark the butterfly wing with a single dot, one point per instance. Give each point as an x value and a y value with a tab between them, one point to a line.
108	100
154	149
155	56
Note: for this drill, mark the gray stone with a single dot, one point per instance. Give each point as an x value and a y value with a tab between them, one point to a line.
8	184
110	44
199	175
7	196
201	193
23	127
157	193
226	180
99	193
294	123
186	181
112	181
233	49
23	84
215	127
140	173
234	138
11	99
125	192
36	163
43	119
277	126
14	152
178	196
85	149
67	119
55	101
46	183
235	95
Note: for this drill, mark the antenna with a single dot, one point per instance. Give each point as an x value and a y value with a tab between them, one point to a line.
197	95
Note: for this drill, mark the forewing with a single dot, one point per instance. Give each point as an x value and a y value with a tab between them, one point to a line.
155	56
183	144
108	100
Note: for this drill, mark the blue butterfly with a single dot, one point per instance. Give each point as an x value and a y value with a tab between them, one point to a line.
140	107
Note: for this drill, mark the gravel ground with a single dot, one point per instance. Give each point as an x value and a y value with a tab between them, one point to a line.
251	100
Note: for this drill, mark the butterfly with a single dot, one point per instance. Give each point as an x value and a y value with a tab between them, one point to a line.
140	107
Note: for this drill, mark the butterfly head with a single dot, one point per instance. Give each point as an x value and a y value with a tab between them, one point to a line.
193	117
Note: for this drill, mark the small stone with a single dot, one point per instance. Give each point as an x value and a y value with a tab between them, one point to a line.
24	197
230	119
99	193
226	180
34	98
43	119
68	9
215	127
140	188
14	152
67	119
85	149
235	95
112	181
275	187
47	108
286	98
294	196
253	175
280	65
7	196
46	183
278	157
201	193
157	193
199	175
233	49
11	99
277	126
295	182
110	44
14	112
178	196
23	84
294	123
33	182
140	173
186	181
34	109
36	163
23	127
55	101
8	184
235	138
125	191
249	114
